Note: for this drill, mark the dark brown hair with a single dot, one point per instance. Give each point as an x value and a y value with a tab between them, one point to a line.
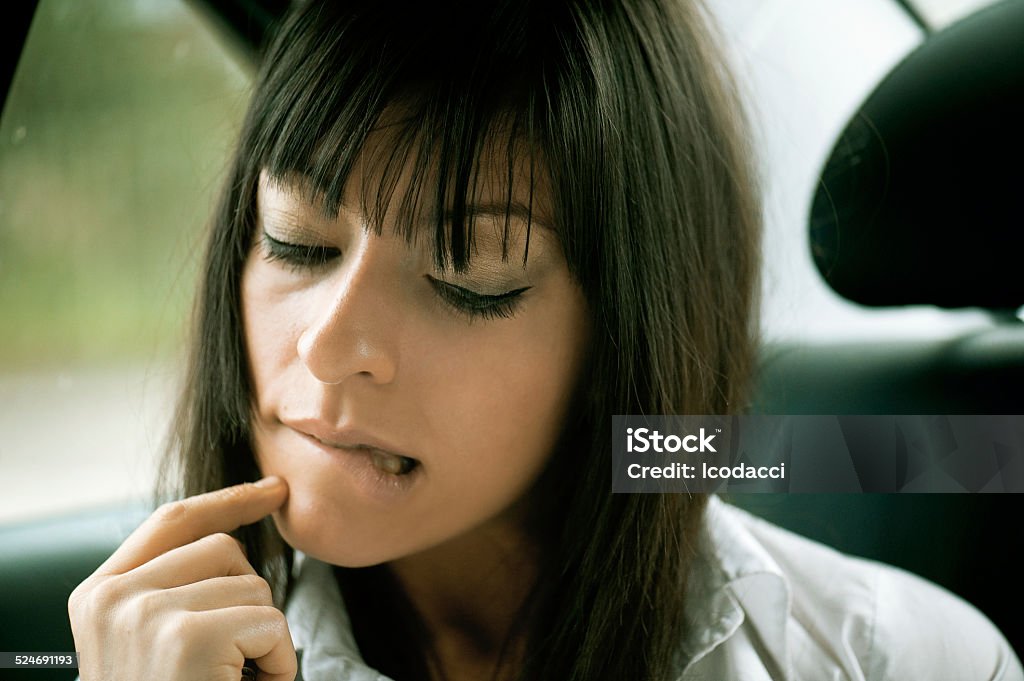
657	211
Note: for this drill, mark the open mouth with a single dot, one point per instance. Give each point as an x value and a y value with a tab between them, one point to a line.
394	464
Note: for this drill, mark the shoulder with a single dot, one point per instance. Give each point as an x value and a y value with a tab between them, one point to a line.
871	620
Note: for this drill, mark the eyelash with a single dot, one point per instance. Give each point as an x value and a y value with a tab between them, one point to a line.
503	305
298	257
302	258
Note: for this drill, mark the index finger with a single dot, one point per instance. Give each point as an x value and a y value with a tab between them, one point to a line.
182	522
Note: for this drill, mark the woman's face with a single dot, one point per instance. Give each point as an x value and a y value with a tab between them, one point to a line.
405	406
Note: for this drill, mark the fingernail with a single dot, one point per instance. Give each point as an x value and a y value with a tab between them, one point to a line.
270	481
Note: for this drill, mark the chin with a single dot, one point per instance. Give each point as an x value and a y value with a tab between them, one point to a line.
322	533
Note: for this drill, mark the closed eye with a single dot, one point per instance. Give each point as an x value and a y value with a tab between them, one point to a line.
298	256
475	304
310	257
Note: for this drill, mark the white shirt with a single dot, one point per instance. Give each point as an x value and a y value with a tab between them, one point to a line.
763	603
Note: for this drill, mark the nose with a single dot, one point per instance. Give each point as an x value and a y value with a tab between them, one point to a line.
352	329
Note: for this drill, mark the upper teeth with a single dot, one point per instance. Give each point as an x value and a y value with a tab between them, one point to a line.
396	465
392	463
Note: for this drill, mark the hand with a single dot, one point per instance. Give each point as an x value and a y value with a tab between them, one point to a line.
179	600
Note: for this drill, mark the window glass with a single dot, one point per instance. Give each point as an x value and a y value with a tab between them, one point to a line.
806	67
113	142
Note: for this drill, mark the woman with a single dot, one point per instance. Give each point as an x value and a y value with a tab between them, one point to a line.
454	242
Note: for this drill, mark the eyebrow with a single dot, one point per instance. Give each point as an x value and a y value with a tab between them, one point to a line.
515	209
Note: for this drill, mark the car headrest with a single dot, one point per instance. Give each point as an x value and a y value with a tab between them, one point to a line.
922	199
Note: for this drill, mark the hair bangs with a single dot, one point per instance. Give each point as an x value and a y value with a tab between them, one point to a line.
433	150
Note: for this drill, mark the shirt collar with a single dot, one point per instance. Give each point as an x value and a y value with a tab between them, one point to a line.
732	580
320	627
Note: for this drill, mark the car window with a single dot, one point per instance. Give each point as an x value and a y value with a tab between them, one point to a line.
805	67
113	141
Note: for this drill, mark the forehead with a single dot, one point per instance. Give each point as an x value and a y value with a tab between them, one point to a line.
290	202
408	182
409	151
495	167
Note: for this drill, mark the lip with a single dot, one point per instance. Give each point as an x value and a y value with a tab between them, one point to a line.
354	451
344	438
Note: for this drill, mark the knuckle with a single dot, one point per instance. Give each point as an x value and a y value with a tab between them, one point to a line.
78	597
136	611
259	586
89	598
276	620
146	606
127	618
177	631
103	596
235	493
171	511
222	541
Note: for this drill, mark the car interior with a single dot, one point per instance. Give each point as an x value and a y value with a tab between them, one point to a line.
918	204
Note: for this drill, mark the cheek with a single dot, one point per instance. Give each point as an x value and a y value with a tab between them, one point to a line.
503	402
516	395
271	330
